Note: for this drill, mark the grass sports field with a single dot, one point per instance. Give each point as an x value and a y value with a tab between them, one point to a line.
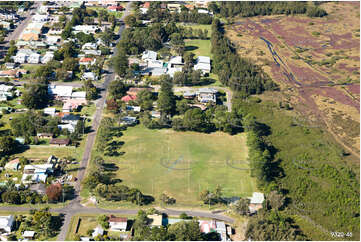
184	163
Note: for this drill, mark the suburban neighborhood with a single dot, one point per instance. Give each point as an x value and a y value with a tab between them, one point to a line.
172	120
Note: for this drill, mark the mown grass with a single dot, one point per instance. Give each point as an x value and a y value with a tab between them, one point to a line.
182	163
198	47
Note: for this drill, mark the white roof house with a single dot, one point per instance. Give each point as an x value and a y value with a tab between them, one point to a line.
49	55
203	63
86	29
6	223
98	231
257	198
149	55
89	46
155	63
50	111
78	94
89	76
40	18
117	223
171	71
60	91
20	58
5	88
92	52
69	127
176	60
203	59
38	168
28	234
52	39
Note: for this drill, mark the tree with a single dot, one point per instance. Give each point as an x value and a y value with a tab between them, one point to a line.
54	192
91	90
195	120
120	63
167	199
103	221
42	222
185	231
7	145
182	106
107	36
131	20
275	200
241	207
145	99
36	96
177	43
70	64
166	98
117	89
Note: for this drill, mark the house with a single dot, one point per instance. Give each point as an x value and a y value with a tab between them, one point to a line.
78	95
203	63
89	46
28	234
50	111
93	52
156	71
69	127
256	202
156	220
189	94
59	142
10	65
87	61
6	223
209	226
98	231
149	55
20	58
52	40
127	120
115	8
128	98
207	95
36	173
49	55
175	61
34	58
117	223
71	105
40	18
5	25
174	7
155	114
60	92
89	76
44	135
86	29
133	108
172	71
40	188
70	119
13	165
155	63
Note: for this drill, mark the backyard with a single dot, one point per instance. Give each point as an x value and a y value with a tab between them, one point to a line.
182	164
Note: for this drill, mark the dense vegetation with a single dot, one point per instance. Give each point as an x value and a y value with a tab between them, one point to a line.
308	169
234	71
249	9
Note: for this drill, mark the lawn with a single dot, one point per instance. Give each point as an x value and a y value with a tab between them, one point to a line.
198	47
183	163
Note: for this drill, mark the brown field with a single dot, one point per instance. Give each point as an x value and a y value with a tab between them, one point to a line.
314	60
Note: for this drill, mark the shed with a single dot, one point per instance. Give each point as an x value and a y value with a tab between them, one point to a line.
59	142
13	165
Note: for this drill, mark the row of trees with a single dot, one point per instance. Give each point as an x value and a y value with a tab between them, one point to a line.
11	194
238	73
249	9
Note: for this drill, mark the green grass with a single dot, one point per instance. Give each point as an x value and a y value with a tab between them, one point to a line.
198	26
206	154
198	47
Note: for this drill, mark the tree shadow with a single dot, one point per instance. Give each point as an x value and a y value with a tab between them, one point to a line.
190	48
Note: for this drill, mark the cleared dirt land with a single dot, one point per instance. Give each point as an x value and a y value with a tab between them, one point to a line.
314	60
184	163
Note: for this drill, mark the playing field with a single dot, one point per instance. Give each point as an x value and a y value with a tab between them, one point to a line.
184	163
198	47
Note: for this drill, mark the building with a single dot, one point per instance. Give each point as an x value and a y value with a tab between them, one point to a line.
71	105
28	234
156	220
117	223
155	63
127	120
93	52
133	108
44	135
6	223
69	127
207	95
209	226
50	111
59	142
89	46
34	58
256	202
70	119
115	8
49	55
36	173
203	63
87	61
60	92
13	165
133	91
89	76
40	18
149	55
98	231
78	95
128	98
175	61
86	29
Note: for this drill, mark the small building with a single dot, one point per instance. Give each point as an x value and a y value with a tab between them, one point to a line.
127	120
89	46
60	92
28	234
70	119
87	61
13	165
207	95
7	223
176	61
189	94
92	52
86	29
34	58
59	142
40	188
49	55
155	114
98	231
10	65
69	127
156	220
133	108
256	202
44	135
117	223
155	63
115	8
78	95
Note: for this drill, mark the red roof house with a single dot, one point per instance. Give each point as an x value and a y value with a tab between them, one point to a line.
128	98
